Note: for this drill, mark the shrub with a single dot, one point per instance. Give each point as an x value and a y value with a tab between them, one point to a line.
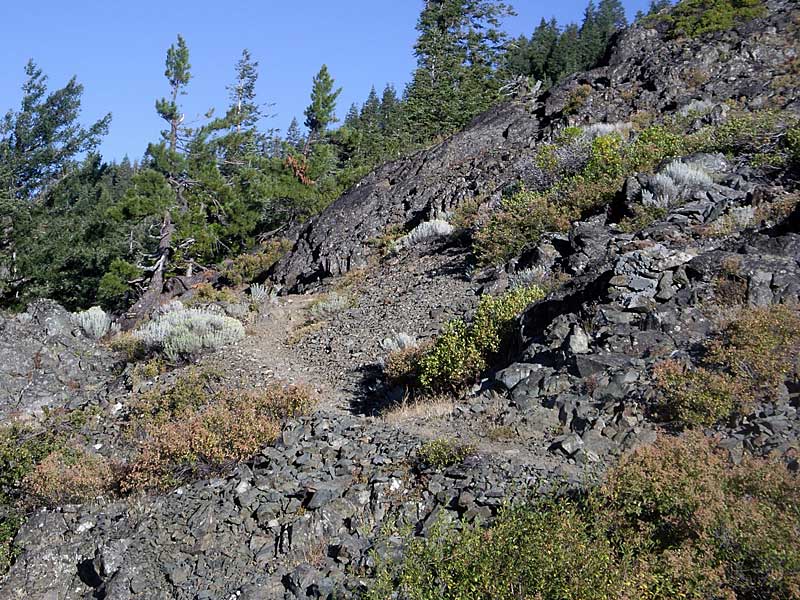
259	293
461	352
547	551
130	346
184	332
329	305
577	98
643	216
440	454
701	527
694	18
672	520
70	476
695	396
687	176
402	365
95	323
232	427
517	226
189	392
249	267
751	357
424	231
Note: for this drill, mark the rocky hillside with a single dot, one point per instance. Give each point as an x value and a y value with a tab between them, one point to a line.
666	304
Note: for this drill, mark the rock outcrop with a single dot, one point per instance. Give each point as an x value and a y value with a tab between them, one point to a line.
646	76
47	363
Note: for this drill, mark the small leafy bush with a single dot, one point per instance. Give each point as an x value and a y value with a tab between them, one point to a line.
462	351
440	454
114	290
672	520
402	365
517	226
232	427
246	268
70	476
189	392
750	358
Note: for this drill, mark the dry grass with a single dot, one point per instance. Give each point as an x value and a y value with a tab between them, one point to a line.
423	408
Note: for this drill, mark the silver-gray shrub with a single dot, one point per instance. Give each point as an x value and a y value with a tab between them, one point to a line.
696	108
437	228
528	277
687	177
663	189
399	341
185	332
259	293
328	306
95	323
596	130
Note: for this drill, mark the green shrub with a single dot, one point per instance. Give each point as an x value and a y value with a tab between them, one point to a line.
750	358
440	454
114	290
69	476
246	268
672	520
701	527
695	396
694	18
517	226
643	216
462	351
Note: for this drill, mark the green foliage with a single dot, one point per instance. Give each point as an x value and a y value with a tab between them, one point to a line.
793	144
517	226
247	268
322	110
675	520
751	357
440	454
41	142
114	290
694	18
457	49
178	75
642	217
460	352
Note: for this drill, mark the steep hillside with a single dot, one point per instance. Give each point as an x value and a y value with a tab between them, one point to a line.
614	299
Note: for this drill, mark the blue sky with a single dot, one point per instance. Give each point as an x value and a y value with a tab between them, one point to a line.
117	51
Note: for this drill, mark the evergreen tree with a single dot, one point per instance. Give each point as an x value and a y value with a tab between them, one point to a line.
352	119
244	112
610	19
370	112
457	52
568	54
294	137
178	75
39	143
322	110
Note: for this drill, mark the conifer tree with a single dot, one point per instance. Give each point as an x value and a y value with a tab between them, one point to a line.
40	141
457	51
322	110
178	75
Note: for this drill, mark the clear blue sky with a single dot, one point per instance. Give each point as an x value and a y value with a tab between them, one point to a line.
117	51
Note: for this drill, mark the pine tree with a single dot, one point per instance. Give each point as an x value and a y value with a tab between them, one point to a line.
389	110
178	75
657	6
567	55
322	110
294	137
370	112
458	49
40	142
352	119
244	111
610	19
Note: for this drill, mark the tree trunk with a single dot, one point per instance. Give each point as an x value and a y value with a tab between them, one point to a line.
153	293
